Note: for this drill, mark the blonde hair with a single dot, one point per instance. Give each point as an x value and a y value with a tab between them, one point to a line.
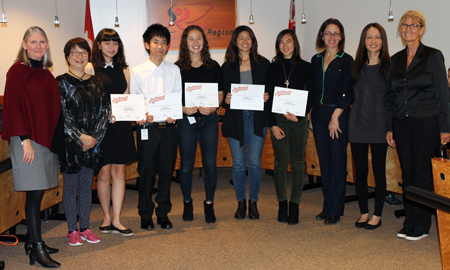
22	56
415	16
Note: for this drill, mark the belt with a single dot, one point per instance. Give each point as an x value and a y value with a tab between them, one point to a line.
158	124
324	104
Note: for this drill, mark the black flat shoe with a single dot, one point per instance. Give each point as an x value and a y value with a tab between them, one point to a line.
126	232
360	224
147	224
105	229
332	220
372	227
2	265
47	248
164	222
322	216
242	209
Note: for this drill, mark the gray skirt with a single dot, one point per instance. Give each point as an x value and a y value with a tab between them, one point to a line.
39	175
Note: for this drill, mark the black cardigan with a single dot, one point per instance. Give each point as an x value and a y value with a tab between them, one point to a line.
233	122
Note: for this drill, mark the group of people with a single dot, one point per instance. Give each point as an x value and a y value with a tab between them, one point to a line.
400	101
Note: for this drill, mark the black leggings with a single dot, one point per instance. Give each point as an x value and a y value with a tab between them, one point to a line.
33	214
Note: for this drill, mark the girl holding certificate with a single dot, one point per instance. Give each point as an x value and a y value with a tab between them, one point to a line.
289	132
329	116
118	145
366	124
246	129
199	124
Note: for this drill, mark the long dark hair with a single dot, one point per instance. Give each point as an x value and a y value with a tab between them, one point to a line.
295	56
184	59
107	34
362	58
320	44
232	54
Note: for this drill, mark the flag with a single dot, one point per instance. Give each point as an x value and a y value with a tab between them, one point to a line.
292	16
88	29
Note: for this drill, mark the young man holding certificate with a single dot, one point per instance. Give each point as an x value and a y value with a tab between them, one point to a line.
157	140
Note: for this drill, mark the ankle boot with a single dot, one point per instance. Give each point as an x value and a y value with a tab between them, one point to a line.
209	212
39	254
242	209
47	248
188	213
283	211
293	213
252	210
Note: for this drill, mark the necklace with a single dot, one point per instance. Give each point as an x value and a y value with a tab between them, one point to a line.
286	80
79	78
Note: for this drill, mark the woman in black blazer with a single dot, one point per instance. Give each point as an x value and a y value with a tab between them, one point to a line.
246	129
417	116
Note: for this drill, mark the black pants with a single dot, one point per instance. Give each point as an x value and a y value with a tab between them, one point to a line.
332	158
360	152
158	154
416	141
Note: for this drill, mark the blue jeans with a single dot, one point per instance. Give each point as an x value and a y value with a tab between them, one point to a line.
249	153
206	131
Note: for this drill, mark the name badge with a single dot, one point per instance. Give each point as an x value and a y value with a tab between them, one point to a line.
144	134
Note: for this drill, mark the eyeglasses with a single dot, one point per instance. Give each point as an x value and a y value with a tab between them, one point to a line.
329	34
76	53
412	26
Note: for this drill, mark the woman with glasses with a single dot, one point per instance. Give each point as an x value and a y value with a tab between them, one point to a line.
119	149
366	123
246	129
417	116
329	116
86	111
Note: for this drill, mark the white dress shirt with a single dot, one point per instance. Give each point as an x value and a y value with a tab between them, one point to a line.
149	79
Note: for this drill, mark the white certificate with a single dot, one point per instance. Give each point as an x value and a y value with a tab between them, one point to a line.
247	97
289	100
201	94
128	107
165	105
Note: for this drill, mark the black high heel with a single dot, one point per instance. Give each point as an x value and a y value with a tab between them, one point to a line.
39	254
49	250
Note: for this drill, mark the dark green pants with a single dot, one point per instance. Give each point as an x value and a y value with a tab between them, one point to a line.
292	147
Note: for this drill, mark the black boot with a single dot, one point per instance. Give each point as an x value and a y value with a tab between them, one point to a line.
283	211
293	213
47	248
188	213
2	265
209	212
39	254
252	210
242	209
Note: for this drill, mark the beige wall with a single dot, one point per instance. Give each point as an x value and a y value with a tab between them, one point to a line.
271	16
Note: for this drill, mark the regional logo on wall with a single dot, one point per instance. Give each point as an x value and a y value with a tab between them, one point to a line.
216	17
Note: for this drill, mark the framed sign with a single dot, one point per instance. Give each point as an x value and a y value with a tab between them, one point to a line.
216	17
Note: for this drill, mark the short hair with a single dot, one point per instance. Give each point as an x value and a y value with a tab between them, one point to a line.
415	16
22	56
156	30
107	34
184	59
80	42
232	54
319	40
295	56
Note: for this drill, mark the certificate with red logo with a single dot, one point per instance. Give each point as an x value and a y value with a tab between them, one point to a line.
247	97
162	106
201	94
128	107
289	100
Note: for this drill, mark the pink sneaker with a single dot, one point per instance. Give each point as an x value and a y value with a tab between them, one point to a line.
89	236
75	239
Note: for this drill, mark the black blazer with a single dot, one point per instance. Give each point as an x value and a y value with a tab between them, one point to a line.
233	122
419	91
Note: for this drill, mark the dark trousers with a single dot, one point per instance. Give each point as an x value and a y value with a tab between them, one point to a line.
206	131
416	141
156	155
360	152
332	158
292	147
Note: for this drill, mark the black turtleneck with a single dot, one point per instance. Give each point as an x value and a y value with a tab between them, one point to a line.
35	63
